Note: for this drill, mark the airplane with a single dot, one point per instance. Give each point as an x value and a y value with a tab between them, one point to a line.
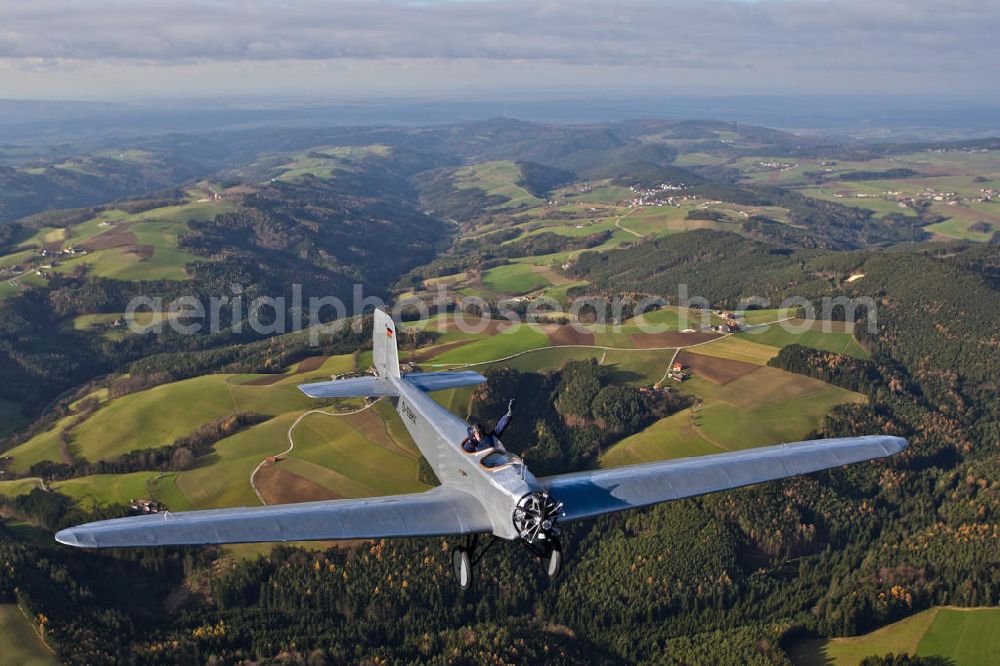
485	489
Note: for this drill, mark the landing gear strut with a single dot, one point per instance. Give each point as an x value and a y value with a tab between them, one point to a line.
465	559
549	553
553	562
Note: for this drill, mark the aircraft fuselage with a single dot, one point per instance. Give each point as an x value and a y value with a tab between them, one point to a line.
439	435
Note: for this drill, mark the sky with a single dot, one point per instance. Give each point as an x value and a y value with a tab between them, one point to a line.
338	49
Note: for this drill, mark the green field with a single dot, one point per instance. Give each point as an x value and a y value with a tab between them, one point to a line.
21	645
738	348
15	258
641	368
497	179
154	253
521	339
838	341
536	273
141	322
455	400
672	437
766	406
446	333
667	318
755	317
325	162
959	228
551	358
158	416
333	365
446	279
575	228
159	229
222	478
118	489
514	279
355	455
43	446
965	637
739	422
638	367
961	173
88	321
18	487
653	221
601	191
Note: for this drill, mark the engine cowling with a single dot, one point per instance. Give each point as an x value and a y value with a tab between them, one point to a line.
535	517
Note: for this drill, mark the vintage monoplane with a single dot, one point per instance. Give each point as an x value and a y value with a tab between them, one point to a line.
484	488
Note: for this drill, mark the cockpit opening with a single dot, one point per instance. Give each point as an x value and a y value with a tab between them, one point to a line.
498	458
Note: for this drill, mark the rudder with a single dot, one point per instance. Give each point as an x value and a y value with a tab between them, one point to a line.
385	356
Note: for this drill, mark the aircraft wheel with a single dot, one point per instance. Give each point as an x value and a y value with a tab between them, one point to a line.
462	565
553	560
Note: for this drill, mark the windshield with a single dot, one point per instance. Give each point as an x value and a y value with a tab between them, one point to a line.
498	459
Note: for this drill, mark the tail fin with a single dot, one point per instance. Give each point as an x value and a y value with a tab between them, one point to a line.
384	353
386	360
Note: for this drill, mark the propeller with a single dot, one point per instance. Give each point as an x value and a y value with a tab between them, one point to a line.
536	515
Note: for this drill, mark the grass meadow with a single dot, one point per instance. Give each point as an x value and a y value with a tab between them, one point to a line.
965	637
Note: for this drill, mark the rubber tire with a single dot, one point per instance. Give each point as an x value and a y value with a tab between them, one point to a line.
553	561
462	567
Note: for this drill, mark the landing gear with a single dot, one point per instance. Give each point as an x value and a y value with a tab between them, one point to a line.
535	521
462	564
553	560
464	560
548	550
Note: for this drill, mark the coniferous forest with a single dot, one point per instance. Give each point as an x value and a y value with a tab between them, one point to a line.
732	578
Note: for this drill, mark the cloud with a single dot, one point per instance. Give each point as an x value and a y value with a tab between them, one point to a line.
689	33
768	44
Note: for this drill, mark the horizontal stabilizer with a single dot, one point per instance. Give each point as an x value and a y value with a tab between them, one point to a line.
438	512
437	381
355	387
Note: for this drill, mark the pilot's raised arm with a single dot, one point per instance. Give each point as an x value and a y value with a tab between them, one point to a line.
504	420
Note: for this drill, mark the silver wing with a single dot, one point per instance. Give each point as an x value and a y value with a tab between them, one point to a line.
595	492
437	512
355	387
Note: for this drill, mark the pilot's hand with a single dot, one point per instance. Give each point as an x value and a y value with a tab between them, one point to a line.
510	405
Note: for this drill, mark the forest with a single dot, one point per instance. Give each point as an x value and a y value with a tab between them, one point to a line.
324	236
732	578
835	553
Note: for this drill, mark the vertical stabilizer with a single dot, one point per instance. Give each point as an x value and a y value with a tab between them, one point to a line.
384	354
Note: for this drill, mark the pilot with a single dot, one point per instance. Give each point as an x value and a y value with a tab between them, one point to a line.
479	439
